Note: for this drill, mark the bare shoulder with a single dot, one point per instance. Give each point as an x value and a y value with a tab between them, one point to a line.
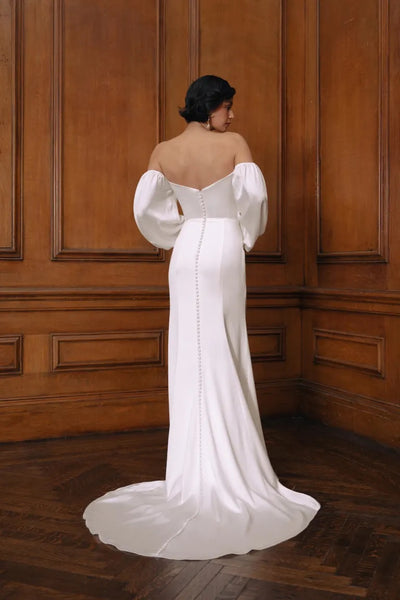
239	145
156	156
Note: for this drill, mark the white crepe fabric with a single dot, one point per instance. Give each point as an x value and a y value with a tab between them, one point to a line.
220	495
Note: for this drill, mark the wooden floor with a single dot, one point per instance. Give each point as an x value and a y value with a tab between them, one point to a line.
350	550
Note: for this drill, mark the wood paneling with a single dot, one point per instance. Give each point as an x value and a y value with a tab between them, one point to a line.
364	353
103	71
98	84
11	354
351	297
352	135
93	351
267	344
275	342
333	339
11	83
88	377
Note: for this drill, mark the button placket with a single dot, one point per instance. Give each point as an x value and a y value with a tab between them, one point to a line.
200	371
198	332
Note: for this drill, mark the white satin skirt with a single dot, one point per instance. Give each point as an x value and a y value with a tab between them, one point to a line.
220	494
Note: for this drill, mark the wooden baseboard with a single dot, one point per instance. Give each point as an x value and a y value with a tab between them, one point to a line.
65	416
53	417
363	415
279	397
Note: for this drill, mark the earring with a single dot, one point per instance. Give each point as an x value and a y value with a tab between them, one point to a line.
208	126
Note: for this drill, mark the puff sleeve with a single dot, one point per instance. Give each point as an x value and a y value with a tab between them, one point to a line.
155	210
251	197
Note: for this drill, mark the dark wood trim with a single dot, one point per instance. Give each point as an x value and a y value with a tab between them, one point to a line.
143	298
370	302
194	40
302	297
15	250
161	73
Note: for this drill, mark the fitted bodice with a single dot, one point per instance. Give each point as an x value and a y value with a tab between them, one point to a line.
241	195
215	200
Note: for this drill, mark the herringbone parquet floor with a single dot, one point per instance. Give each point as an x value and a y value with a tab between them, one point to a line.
350	550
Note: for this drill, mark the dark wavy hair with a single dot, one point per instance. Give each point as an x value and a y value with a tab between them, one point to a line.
204	95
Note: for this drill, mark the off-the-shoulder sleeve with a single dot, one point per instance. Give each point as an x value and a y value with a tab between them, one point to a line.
252	201
155	210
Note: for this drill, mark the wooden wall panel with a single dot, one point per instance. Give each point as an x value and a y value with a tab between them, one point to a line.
338	352
88	377
93	351
63	365
11	74
362	353
350	375
267	344
275	342
11	354
109	110
351	293
352	50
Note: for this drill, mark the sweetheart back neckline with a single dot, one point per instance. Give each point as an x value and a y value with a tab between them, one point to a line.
207	186
189	187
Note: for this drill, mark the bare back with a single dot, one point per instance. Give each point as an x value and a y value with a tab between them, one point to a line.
197	157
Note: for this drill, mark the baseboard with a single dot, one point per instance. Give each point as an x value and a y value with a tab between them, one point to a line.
66	416
43	417
52	417
371	417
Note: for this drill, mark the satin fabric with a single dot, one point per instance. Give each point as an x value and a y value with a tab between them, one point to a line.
220	494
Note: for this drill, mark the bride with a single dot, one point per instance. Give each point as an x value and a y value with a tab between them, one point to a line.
220	494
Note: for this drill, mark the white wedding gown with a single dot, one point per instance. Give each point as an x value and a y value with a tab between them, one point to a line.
220	494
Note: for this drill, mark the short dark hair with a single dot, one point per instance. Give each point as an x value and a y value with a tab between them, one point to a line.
204	95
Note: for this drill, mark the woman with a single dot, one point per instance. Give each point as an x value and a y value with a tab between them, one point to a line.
220	494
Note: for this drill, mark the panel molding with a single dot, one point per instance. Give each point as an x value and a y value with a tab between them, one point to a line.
59	250
277	334
59	344
321	336
12	344
279	255
126	298
381	253
359	301
14	250
194	40
157	297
